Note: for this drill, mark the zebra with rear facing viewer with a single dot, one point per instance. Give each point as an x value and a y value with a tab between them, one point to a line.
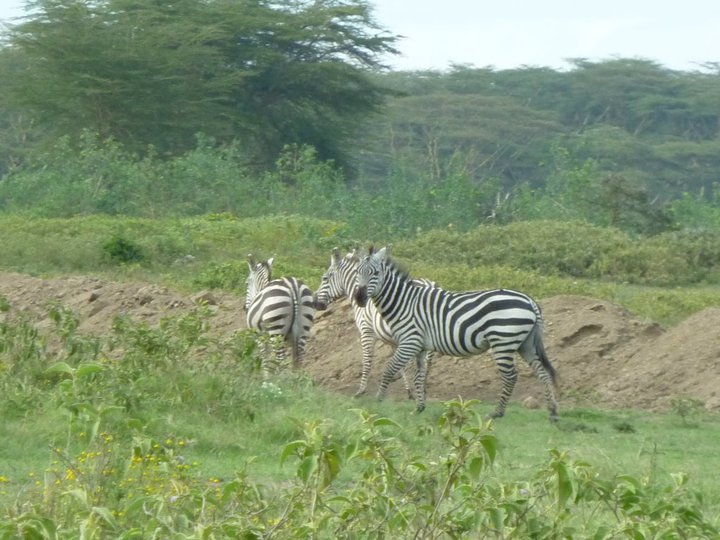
455	324
283	308
338	281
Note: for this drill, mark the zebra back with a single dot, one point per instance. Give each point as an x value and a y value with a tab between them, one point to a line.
280	307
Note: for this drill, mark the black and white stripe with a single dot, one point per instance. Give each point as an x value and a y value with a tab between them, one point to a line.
337	282
283	308
455	324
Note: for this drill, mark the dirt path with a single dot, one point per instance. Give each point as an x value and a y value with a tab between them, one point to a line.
605	356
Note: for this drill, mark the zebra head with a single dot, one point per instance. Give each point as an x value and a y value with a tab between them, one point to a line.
370	276
331	285
259	276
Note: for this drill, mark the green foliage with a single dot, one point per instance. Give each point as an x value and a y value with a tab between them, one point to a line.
693	212
90	175
145	403
577	189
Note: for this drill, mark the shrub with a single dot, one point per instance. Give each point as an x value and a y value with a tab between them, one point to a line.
121	250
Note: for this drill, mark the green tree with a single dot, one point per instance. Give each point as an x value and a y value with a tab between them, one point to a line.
157	72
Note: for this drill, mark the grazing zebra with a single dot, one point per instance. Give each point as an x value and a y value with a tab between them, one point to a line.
455	324
283	308
338	281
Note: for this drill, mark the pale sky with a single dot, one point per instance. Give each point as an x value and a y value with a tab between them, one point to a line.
513	33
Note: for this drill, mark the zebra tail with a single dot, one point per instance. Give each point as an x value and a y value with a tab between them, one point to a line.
542	354
296	329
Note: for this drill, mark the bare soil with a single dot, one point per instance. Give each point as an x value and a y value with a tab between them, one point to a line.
605	356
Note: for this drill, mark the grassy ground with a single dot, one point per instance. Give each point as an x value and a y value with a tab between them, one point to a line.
646	445
121	428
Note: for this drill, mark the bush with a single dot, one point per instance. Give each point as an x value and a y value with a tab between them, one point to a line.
121	250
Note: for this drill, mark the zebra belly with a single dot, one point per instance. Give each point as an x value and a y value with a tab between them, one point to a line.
458	349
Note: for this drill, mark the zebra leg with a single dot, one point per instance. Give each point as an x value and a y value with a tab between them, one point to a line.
403	375
302	344
265	359
403	354
367	342
279	355
533	351
409	390
420	380
542	374
429	357
508	376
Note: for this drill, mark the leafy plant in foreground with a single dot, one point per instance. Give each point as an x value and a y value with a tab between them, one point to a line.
126	469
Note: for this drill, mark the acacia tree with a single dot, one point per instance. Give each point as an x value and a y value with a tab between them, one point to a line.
158	71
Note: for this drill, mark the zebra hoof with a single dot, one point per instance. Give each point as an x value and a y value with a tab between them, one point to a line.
419	409
359	393
495	414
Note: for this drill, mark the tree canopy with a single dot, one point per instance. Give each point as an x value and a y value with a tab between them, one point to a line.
158	72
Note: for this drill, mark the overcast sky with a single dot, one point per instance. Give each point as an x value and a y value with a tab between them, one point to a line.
513	33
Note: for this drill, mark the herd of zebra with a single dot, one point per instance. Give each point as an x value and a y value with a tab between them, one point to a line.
415	316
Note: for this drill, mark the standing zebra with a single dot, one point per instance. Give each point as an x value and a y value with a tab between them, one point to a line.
456	324
338	281
283	308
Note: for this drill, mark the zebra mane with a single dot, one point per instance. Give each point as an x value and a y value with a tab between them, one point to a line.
253	263
356	255
400	270
353	257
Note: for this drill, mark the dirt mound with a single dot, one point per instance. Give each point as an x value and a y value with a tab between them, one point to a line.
604	355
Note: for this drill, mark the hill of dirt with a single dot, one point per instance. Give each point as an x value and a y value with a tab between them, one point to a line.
604	355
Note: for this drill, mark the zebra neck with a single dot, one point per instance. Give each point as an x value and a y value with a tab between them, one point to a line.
349	274
394	294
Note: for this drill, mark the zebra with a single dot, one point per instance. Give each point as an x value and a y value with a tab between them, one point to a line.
284	308
337	282
455	324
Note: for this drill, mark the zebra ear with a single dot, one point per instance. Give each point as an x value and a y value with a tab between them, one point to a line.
251	261
336	256
388	249
382	253
270	262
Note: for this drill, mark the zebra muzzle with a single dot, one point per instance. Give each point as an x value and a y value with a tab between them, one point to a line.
320	305
360	296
